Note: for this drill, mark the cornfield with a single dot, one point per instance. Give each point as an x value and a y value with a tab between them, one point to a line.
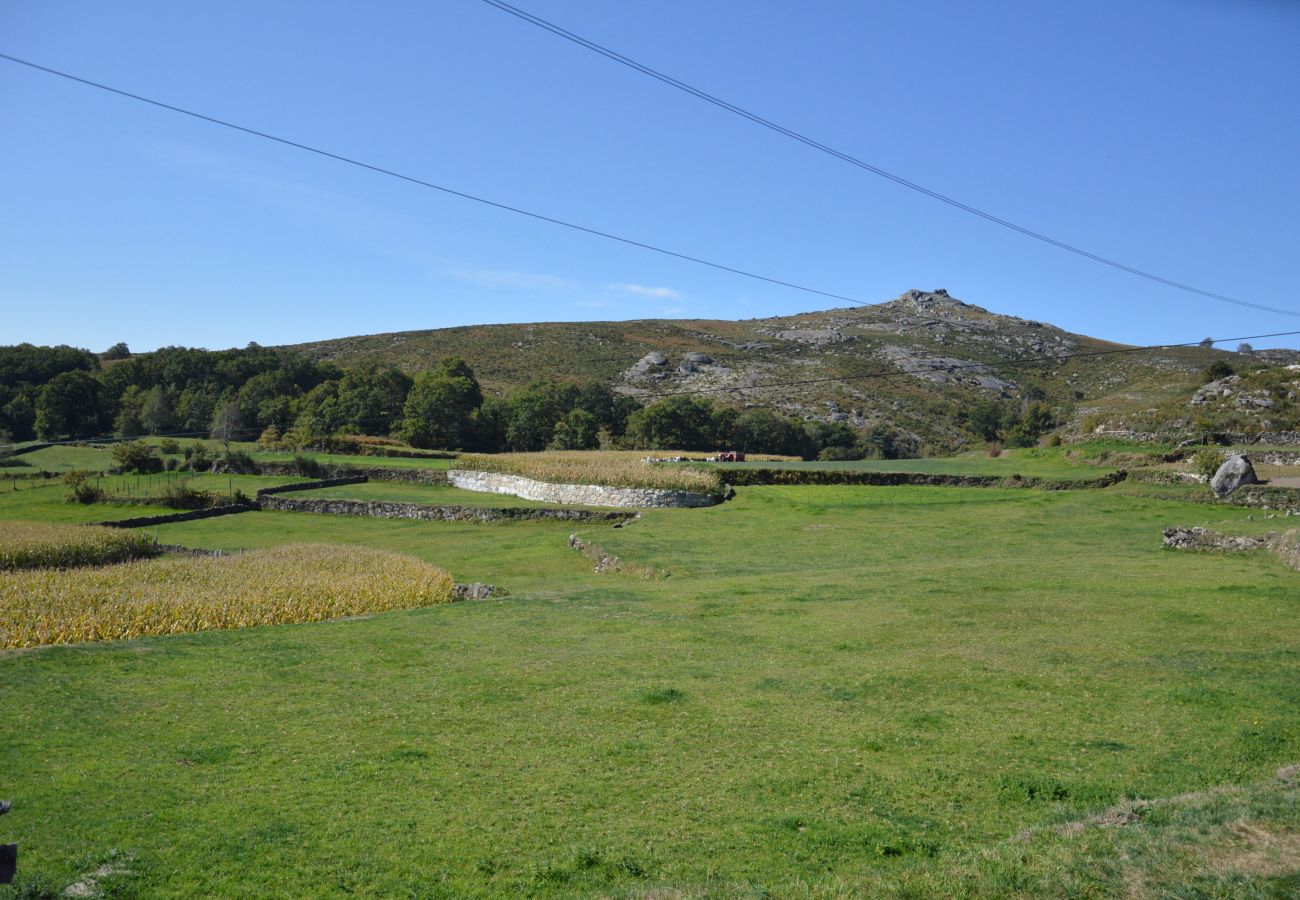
41	545
613	468
171	595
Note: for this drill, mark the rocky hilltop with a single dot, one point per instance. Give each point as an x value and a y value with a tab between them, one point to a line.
912	363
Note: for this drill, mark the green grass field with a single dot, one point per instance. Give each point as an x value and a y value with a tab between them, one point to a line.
837	692
1036	463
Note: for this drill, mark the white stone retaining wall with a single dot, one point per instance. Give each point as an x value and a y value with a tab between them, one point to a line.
576	494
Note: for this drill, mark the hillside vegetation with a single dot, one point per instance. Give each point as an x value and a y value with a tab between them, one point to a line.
915	365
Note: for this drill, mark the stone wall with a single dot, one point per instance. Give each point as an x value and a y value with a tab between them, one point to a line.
191	515
1205	539
311	485
578	494
382	509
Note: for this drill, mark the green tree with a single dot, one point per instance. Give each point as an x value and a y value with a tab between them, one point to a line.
118	351
129	422
136	456
156	412
70	406
440	405
674	423
579	430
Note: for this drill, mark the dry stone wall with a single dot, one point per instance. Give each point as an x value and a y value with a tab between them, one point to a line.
191	515
577	494
382	509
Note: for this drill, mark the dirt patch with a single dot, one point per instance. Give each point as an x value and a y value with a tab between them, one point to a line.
1254	849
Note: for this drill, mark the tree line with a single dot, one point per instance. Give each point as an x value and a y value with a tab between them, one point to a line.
285	399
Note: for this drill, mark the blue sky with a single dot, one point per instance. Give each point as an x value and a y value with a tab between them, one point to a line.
1162	133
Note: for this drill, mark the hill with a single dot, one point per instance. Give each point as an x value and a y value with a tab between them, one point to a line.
914	363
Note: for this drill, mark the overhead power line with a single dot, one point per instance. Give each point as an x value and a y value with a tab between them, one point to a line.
1003	363
338	157
680	85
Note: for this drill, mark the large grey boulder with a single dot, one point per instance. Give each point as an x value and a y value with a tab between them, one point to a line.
1235	471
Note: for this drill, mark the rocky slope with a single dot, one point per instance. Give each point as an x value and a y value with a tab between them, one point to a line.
912	363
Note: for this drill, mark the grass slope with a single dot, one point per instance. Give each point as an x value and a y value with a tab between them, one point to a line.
811	350
838	692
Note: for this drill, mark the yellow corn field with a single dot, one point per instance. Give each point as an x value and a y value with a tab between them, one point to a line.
39	545
171	595
614	468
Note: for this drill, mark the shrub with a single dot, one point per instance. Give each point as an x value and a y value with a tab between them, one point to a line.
33	545
169	446
1206	462
80	487
182	495
994	449
1216	370
239	462
295	583
839	454
306	466
136	456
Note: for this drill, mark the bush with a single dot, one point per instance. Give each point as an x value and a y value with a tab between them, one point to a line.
238	462
306	466
1216	370
136	456
169	446
839	454
1206	462
80	487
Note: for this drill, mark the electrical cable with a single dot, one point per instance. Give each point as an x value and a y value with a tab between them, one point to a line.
669	80
338	157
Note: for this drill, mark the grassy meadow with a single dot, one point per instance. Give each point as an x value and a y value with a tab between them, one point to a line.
836	692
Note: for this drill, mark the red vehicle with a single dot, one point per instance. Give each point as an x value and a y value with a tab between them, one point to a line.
730	456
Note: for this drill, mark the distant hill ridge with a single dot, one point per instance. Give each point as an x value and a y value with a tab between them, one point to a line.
937	355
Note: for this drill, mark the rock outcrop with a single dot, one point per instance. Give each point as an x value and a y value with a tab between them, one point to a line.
1235	471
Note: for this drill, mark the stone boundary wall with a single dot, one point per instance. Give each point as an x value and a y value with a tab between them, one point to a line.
1285	546
607	562
383	509
407	474
745	477
30	449
1205	539
1276	457
312	485
578	494
189	516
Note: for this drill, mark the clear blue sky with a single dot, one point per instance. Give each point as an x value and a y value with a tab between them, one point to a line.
1163	133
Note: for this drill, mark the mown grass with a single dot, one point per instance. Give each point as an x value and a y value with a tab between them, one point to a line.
615	468
37	545
840	691
295	583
